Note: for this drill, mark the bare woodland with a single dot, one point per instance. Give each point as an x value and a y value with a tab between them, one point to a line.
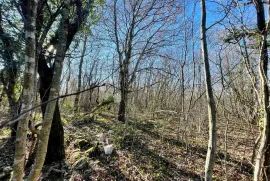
134	90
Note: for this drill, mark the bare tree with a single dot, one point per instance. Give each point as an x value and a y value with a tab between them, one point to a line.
139	28
209	162
76	103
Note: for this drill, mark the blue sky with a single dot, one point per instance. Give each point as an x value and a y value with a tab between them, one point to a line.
214	13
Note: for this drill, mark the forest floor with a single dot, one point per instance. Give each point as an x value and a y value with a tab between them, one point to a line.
145	149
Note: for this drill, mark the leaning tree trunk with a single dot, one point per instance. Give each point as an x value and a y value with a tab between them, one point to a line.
264	149
54	92
56	141
209	162
28	89
56	150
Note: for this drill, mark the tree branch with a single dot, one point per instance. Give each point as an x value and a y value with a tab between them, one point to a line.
18	117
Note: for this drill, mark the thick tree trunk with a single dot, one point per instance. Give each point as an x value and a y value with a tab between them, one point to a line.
56	147
28	89
14	107
54	92
124	95
13	104
56	150
46	74
209	162
122	107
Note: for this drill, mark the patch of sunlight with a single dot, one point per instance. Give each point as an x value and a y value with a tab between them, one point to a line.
5	132
102	119
64	120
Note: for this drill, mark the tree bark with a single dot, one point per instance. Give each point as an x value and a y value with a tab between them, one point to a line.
13	103
124	94
68	78
54	91
264	150
46	75
56	150
28	89
77	98
209	162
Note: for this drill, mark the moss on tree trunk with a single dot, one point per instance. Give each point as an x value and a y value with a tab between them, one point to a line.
55	151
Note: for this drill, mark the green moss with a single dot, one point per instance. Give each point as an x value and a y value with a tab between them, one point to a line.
261	115
64	121
90	150
5	132
77	155
101	119
109	99
82	163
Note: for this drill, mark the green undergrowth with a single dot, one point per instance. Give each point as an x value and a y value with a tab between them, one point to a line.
5	132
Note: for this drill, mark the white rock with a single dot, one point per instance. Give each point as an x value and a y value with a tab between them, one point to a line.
100	135
108	149
110	131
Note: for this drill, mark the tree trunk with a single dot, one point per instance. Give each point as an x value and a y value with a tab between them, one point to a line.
56	147
264	149
124	95
209	162
56	150
54	92
68	77
13	104
76	102
28	89
122	107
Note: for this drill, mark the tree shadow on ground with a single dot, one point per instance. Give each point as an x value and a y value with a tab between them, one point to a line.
148	161
148	128
108	163
160	167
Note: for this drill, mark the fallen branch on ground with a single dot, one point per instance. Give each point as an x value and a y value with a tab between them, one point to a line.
103	103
